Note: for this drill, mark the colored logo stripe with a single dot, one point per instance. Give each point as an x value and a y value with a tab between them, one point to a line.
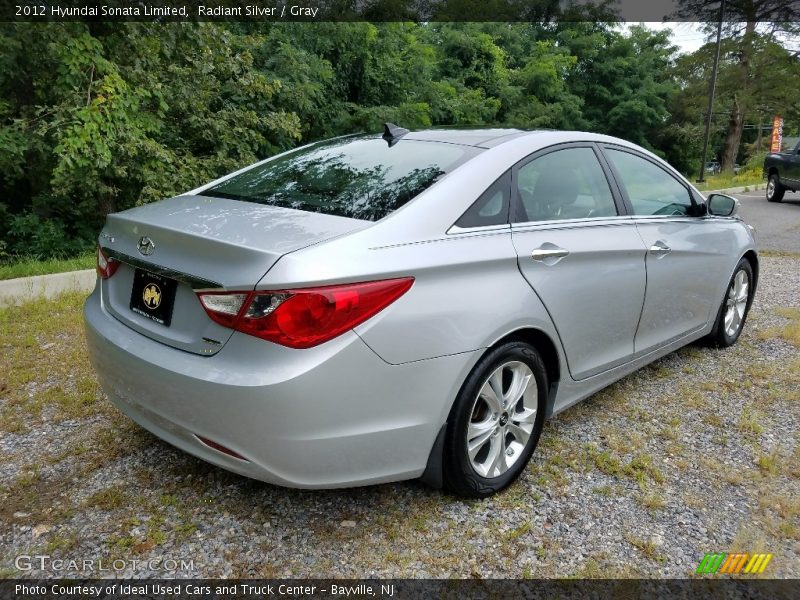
711	562
758	563
721	562
734	563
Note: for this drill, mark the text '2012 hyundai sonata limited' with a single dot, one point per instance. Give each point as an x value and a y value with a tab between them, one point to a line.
375	308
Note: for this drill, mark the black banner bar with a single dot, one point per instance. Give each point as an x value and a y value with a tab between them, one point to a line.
385	10
459	589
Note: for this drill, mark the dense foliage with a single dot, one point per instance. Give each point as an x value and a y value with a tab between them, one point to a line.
100	117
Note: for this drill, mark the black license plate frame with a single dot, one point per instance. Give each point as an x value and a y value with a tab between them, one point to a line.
153	296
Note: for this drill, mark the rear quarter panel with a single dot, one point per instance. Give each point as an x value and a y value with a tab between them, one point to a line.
468	292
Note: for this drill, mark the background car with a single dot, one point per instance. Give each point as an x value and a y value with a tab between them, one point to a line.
376	308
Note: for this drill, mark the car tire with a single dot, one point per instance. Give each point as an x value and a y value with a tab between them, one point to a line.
775	189
489	440
736	303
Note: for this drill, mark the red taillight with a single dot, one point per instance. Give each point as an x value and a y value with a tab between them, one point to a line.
306	317
106	266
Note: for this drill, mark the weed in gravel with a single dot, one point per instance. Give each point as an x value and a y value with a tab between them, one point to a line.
768	464
675	448
789	332
653	500
782	511
603	461
599	569
778	254
659	371
732	477
550	476
61	542
169	500
691	397
647	547
750	421
712	466
749	538
681	464
641	468
590	570
519	531
620	440
107	499
668	433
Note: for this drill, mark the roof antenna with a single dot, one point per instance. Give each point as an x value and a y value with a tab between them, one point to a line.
392	133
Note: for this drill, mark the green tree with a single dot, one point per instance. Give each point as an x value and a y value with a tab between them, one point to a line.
748	25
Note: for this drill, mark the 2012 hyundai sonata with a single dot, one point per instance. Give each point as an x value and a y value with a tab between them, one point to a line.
375	308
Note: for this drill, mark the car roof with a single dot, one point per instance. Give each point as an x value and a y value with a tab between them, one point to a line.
481	138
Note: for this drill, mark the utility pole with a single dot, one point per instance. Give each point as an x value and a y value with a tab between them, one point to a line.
712	89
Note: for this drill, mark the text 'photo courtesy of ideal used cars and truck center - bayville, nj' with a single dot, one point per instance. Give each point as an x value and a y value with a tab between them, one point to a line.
400	299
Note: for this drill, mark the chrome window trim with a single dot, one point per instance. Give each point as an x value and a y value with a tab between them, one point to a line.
456	230
561	223
648	218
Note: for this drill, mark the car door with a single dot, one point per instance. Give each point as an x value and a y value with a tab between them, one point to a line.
793	165
583	260
688	254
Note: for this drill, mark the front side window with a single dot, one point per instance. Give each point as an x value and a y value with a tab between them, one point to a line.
651	190
361	178
565	184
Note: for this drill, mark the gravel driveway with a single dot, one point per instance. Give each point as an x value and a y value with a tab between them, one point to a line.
697	453
777	224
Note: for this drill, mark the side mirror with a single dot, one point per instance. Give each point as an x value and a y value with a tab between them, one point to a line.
721	205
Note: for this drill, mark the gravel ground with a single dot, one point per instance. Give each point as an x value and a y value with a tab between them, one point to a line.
697	453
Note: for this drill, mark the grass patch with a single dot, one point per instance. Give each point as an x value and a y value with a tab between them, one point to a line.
729	180
653	501
789	332
27	267
641	468
604	490
108	499
778	254
519	531
768	464
604	461
712	419
46	364
647	547
750	421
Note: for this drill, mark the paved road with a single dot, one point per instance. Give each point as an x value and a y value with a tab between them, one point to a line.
777	224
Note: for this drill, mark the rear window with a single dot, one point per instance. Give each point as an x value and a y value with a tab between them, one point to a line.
360	178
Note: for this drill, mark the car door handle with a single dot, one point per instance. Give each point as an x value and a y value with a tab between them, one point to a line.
660	249
542	254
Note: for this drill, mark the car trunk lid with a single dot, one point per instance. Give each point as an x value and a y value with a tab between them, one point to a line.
200	242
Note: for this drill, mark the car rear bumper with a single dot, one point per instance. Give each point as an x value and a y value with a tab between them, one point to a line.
331	416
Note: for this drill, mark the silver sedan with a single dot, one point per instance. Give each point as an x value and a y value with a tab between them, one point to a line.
375	308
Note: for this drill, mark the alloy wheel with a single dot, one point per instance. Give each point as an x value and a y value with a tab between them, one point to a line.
502	419
736	303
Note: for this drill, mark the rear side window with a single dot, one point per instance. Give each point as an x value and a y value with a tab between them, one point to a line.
361	178
491	208
651	190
